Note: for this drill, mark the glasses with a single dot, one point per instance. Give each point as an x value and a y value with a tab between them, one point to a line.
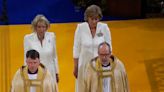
102	55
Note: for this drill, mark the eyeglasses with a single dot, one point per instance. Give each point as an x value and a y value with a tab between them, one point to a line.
107	54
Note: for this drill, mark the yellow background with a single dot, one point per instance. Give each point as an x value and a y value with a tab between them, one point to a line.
133	41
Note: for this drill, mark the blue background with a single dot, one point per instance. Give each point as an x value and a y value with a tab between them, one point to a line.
57	11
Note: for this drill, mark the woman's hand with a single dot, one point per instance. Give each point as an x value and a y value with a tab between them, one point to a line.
75	72
57	78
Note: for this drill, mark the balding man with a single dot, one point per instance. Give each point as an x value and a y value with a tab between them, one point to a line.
106	73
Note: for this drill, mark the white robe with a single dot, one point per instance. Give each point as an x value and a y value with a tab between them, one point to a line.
86	47
47	51
32	77
107	81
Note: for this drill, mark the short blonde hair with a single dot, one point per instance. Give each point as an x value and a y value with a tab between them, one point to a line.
91	11
39	18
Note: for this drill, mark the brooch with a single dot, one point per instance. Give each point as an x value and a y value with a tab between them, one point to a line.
100	34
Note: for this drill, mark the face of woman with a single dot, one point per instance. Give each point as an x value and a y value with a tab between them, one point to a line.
92	21
41	29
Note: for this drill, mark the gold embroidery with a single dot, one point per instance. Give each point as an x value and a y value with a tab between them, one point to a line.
104	73
38	83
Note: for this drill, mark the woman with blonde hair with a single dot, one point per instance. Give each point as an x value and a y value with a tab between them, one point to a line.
45	43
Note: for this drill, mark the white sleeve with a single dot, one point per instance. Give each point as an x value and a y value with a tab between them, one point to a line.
77	45
26	47
55	54
107	35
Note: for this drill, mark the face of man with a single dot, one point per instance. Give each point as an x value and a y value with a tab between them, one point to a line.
33	64
104	54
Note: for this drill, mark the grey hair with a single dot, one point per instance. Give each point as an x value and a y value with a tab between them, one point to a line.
91	11
39	18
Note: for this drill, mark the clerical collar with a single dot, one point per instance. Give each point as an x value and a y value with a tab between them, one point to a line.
106	65
32	73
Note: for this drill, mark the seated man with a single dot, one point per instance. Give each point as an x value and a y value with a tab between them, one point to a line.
106	73
34	77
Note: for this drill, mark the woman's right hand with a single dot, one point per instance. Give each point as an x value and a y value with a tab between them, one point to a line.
75	72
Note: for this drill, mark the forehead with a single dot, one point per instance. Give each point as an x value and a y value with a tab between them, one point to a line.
93	16
41	23
32	60
104	49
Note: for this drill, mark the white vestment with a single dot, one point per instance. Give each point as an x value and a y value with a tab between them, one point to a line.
32	77
107	81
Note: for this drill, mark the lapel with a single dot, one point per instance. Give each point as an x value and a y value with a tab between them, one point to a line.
98	29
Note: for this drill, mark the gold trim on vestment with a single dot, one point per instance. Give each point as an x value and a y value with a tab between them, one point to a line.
38	83
104	73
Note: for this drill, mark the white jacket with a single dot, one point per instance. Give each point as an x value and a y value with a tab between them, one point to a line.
47	51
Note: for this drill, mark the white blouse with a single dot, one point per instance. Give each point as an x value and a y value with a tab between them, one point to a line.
47	50
85	46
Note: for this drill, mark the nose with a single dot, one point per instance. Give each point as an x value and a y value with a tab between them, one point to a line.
94	21
42	29
104	57
31	64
